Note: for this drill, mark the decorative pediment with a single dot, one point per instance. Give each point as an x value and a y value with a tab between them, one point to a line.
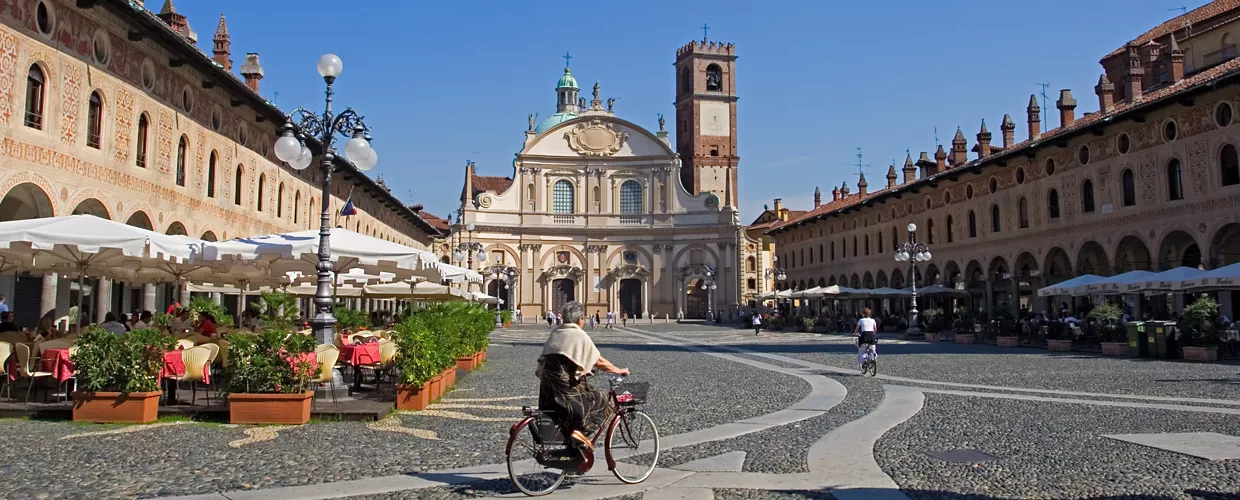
596	138
695	270
629	271
562	271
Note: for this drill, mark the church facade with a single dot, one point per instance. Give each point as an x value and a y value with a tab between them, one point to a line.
600	210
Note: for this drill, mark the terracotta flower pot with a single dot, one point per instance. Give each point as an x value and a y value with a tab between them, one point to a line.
477	359
449	379
269	408
1059	345
1200	353
1114	348
113	407
932	337
436	387
413	397
964	338
1007	341
467	362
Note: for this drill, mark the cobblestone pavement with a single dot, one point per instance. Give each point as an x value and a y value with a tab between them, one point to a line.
1046	444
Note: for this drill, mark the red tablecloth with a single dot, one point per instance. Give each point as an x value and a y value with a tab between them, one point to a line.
174	367
57	361
361	354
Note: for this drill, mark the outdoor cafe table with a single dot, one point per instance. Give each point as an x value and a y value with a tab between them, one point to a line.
174	367
359	355
57	361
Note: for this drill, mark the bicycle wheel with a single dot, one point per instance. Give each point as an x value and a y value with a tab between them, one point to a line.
873	368
531	477
633	446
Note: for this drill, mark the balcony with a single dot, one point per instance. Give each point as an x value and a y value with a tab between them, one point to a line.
632	220
567	219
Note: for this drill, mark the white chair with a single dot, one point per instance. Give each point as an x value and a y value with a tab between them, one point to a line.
24	363
327	356
6	350
195	360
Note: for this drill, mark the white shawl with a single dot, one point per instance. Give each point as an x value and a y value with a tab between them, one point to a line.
573	343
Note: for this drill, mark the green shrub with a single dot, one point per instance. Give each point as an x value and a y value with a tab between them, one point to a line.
809	323
931	319
106	362
161	321
269	362
505	316
1058	330
1198	323
277	310
1108	323
198	305
349	319
430	340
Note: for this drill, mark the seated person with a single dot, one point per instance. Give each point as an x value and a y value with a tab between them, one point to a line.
143	321
6	322
567	356
180	322
206	325
111	325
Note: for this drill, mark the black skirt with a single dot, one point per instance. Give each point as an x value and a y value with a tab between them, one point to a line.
573	404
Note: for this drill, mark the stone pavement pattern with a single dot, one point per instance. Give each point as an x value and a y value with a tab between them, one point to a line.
776	416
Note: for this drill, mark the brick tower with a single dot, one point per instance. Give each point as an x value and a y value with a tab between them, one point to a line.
706	118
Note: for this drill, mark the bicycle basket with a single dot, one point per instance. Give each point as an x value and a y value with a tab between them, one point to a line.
633	393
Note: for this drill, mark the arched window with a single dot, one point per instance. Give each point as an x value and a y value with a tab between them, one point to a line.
1022	212
879	238
280	200
1175	188
1087	196
529	194
144	125
950	235
1229	165
36	88
1052	204
751	264
182	150
630	197
258	197
994	218
972	224
855	253
296	207
867	244
94	120
563	202
820	254
894	240
310	211
930	231
237	185
211	174
1129	188
832	250
714	78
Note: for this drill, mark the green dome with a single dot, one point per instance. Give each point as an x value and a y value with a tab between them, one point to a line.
554	120
567	81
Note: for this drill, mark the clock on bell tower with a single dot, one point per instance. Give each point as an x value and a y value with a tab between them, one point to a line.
706	119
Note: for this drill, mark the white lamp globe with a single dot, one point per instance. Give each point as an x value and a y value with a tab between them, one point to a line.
357	149
928	255
369	162
287	148
458	256
470	226
912	228
303	159
330	66
482	257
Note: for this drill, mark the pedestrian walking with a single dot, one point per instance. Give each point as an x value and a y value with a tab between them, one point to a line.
591	322
610	320
550	318
624	319
757	324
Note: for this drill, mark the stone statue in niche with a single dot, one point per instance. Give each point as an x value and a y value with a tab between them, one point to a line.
531	121
662	123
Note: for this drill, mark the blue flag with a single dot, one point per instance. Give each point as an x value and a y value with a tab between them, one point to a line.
348	209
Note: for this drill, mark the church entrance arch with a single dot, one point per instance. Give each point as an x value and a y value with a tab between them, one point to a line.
631	297
25	201
563	291
499	289
695	300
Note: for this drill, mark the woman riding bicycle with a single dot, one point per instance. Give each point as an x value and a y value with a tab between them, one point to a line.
866	332
567	357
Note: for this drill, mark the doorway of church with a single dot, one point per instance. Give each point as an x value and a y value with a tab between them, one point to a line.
563	291
631	297
499	289
695	300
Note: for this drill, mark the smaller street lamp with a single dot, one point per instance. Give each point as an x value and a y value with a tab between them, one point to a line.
778	274
506	274
708	284
913	252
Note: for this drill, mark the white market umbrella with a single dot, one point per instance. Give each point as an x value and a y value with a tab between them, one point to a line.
415	291
440	271
812	292
1170	279
937	290
483	298
1120	283
1066	287
298	251
889	292
1223	278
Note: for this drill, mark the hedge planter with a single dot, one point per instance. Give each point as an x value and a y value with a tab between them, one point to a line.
932	337
1059	345
116	407
449	379
413	397
1007	341
269	408
436	387
1114	348
1200	353
467	362
964	338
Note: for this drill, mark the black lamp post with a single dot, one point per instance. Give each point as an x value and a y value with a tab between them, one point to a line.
302	130
507	275
467	250
708	284
778	274
913	252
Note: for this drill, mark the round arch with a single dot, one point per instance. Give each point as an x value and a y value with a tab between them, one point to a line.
140	219
897	279
998	269
867	281
856	281
1056	267
1092	259
1026	266
208	236
92	206
1225	245
931	275
973	273
951	274
26	201
832	281
1179	249
880	279
489	249
177	228
1132	255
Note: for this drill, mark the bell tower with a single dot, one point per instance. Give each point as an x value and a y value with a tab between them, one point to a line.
706	118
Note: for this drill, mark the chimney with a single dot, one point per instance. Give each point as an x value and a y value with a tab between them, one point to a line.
1135	72
910	172
1105	90
928	168
1153	55
835	194
1067	107
844	190
1009	131
252	71
817	197
960	152
940	160
1177	61
779	205
983	141
891	176
1034	113
179	23
222	48
861	185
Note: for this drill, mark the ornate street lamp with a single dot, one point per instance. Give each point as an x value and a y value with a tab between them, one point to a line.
708	284
913	252
508	275
466	251
305	132
778	274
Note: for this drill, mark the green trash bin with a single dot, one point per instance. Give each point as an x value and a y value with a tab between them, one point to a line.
1138	346
1156	336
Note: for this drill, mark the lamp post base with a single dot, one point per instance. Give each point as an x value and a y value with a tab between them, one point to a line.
337	390
914	333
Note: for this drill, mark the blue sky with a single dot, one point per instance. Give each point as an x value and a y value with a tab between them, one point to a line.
442	82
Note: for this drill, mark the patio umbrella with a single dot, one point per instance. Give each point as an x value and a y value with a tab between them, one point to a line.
938	290
1065	287
1114	284
424	290
482	298
1223	278
1168	280
298	251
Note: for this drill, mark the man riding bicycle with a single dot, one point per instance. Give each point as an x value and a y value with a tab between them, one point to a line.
866	332
568	355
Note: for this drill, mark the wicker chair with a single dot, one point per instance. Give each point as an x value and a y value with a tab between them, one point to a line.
327	356
24	363
196	361
6	350
387	355
183	344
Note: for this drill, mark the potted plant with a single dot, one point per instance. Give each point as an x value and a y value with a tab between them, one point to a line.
505	317
808	324
1058	336
277	310
267	377
117	375
931	323
1198	332
1006	328
964	328
1109	327
199	305
349	319
417	364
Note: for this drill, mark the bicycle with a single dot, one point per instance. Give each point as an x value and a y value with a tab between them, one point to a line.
870	365
631	446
